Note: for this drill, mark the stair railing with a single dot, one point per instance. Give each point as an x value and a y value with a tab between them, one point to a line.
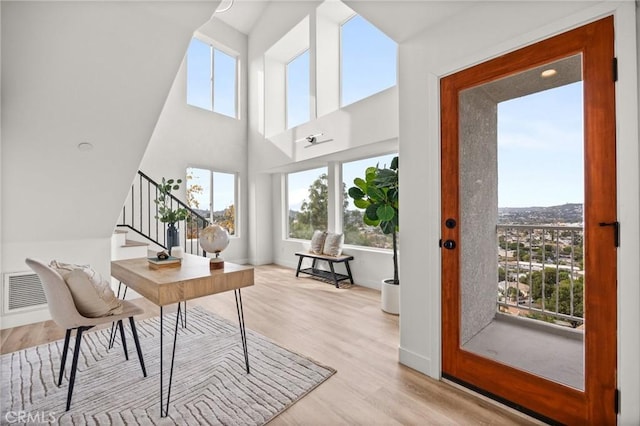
140	212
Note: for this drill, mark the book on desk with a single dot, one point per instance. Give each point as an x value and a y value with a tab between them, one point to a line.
171	262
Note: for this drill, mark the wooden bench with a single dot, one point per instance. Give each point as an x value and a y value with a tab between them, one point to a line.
320	273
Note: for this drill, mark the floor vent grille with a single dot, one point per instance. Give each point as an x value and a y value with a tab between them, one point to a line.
23	291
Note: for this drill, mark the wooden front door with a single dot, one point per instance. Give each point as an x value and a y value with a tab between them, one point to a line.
468	220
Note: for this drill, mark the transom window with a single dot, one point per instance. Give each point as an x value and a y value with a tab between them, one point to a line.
211	79
368	60
298	87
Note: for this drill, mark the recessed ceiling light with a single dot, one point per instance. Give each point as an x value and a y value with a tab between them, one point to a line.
85	146
548	73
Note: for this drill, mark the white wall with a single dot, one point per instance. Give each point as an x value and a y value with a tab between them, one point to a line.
75	72
481	32
276	20
187	136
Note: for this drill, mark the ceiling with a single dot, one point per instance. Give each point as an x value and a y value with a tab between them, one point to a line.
243	14
399	19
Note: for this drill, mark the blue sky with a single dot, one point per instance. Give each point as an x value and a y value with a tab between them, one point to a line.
540	148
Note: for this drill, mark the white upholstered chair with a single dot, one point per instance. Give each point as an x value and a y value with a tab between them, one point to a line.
64	312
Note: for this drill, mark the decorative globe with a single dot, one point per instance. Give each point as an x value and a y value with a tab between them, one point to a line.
214	239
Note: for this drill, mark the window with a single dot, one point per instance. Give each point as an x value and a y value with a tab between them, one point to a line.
368	60
354	229
298	87
213	195
211	79
307	196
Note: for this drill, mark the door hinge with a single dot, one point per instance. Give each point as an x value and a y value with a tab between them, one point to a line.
616	401
615	69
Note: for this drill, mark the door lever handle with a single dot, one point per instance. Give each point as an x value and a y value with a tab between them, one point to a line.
616	231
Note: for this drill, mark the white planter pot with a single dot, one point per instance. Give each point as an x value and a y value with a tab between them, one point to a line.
390	298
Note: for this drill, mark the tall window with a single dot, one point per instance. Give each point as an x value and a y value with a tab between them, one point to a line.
298	87
355	231
211	79
213	195
368	60
307	196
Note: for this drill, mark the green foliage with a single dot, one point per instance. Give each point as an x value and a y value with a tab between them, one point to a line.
502	275
313	212
560	291
166	214
377	195
541	317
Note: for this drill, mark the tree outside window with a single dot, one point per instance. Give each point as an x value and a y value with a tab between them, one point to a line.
308	195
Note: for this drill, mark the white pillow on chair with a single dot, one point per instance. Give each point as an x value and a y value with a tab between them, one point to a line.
91	294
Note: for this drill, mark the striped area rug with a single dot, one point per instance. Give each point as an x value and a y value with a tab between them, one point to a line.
210	384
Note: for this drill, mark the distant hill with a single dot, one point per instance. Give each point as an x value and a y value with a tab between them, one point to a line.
566	213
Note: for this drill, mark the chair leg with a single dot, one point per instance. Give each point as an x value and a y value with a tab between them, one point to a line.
112	335
63	361
74	364
137	342
124	341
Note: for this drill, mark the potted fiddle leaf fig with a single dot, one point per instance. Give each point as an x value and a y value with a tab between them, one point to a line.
167	214
377	195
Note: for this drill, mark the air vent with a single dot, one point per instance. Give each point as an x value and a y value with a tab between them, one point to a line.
23	291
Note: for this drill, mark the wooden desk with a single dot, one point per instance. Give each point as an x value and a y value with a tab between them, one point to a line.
190	280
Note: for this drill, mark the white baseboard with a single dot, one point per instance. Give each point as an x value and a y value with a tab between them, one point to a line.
417	362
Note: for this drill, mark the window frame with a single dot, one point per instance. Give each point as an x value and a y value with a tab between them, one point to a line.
334	197
287	204
210	207
213	47
341	57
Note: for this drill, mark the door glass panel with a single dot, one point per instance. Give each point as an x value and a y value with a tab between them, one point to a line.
521	209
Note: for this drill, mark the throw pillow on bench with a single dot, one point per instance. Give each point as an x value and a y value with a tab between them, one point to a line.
327	243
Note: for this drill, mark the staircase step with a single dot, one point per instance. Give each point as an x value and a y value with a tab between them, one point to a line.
132	243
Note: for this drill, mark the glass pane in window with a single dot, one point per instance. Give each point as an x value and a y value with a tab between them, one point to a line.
355	231
224	83
199	75
307	197
224	200
213	196
298	86
368	60
199	191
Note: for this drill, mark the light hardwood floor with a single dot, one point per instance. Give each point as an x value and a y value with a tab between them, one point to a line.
342	328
